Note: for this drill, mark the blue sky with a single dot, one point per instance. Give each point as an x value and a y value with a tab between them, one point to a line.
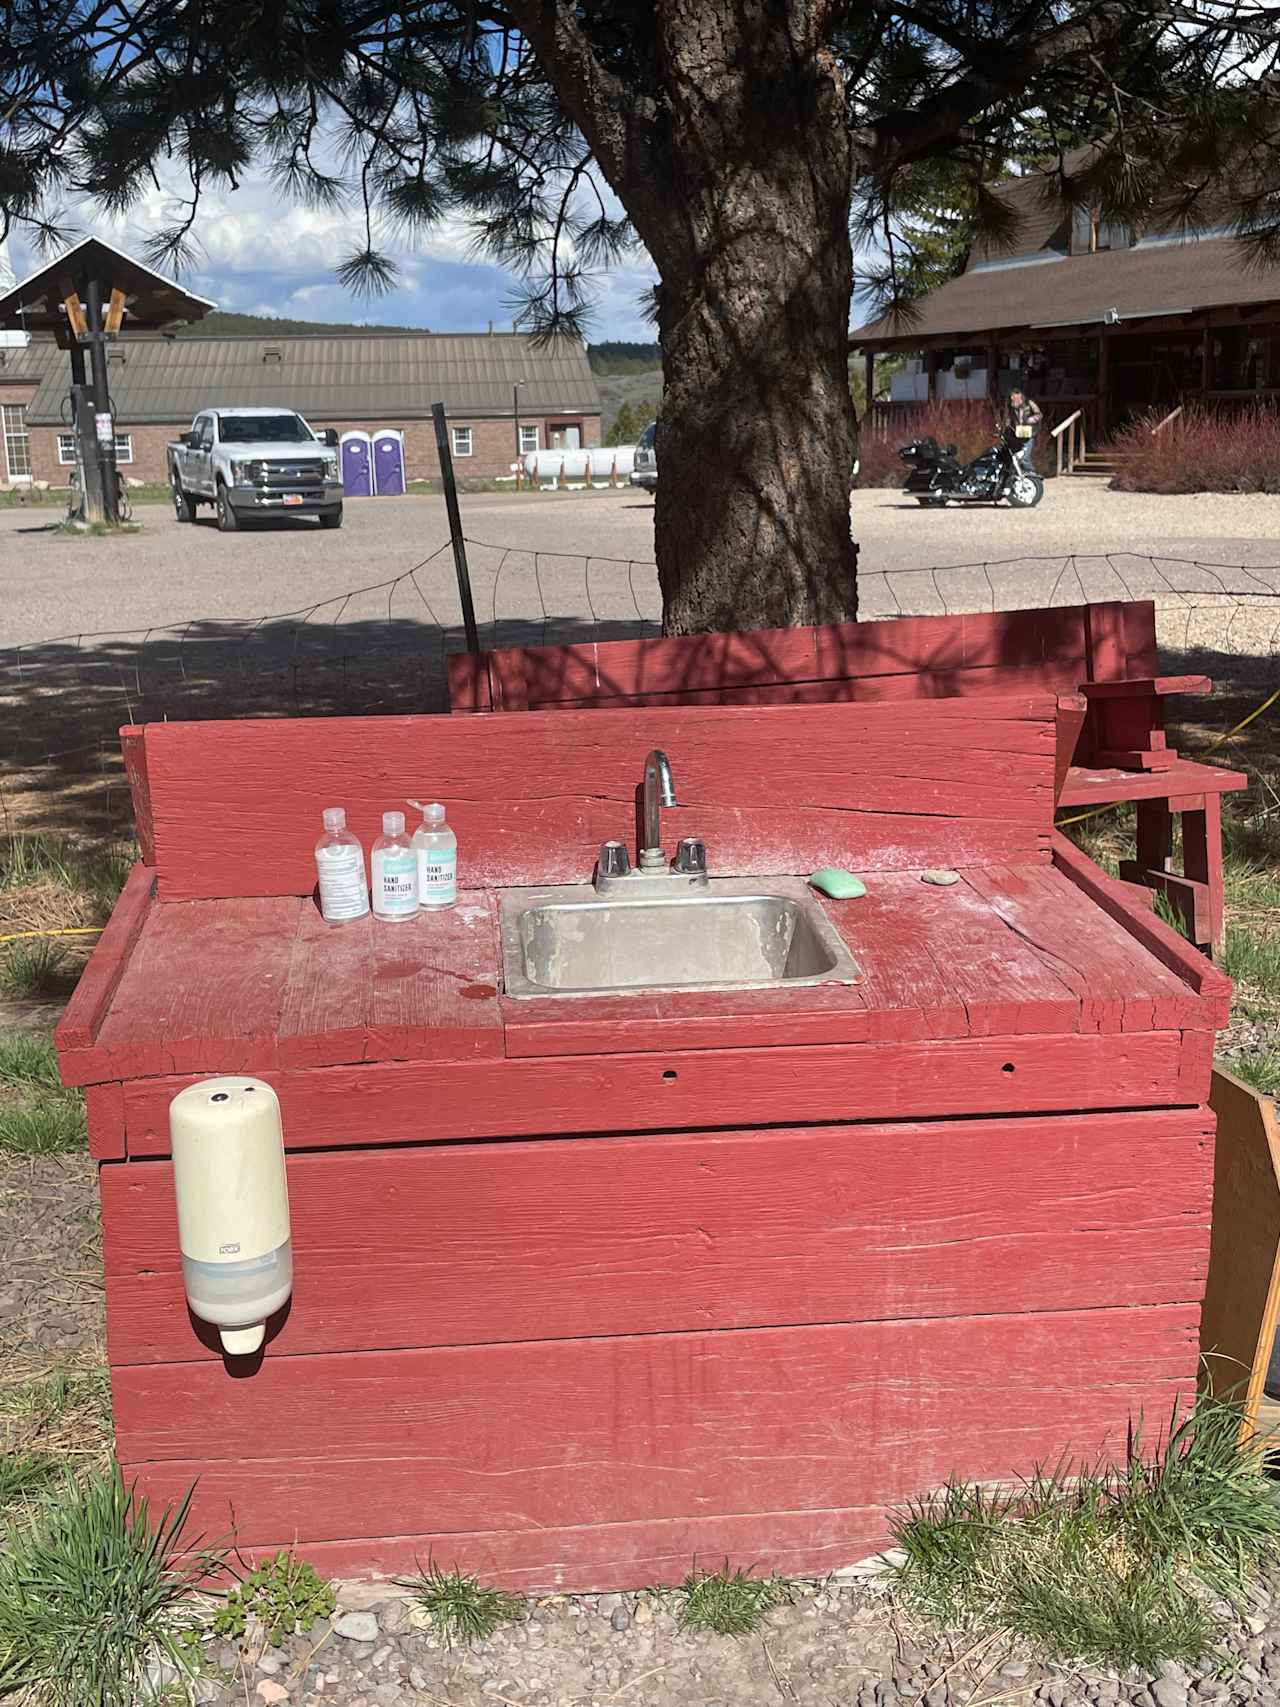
258	255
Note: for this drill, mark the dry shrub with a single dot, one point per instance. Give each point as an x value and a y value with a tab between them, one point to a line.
1202	451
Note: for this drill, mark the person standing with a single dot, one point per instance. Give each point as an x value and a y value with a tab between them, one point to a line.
1025	417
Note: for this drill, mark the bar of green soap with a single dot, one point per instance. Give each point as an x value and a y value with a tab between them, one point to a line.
840	885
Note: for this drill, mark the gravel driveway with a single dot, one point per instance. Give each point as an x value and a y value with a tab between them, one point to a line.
52	585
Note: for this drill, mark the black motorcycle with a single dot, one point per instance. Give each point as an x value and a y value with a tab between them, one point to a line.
938	477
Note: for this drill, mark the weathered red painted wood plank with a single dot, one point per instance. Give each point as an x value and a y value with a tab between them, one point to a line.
205	983
621	1430
586	1559
945	654
372	991
1120	985
468	678
772	789
1209	982
104	1116
399	1102
1095	785
1143	687
77	1030
908	992
461	1244
134	749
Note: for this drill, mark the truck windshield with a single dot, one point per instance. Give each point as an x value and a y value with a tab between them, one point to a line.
254	429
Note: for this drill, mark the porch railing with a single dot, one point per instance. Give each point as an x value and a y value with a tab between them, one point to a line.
1069	438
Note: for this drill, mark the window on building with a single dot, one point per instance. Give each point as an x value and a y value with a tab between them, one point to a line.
17	443
528	440
1091	234
67	448
462	441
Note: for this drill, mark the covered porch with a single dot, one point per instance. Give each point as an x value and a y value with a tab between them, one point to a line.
1089	378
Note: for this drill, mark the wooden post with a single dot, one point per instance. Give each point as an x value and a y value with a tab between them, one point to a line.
931	369
1206	358
104	433
1103	420
993	376
869	378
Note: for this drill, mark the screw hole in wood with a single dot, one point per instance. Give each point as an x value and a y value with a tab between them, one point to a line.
670	1076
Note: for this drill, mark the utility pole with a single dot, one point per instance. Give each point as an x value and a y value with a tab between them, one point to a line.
515	417
103	447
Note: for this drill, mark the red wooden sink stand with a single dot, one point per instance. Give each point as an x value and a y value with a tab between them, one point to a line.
586	1288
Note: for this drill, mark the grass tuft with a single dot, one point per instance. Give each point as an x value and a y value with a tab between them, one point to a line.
27	1059
37	968
730	1603
1116	1565
462	1608
23	1474
1261	1069
1253	960
92	1590
49	1123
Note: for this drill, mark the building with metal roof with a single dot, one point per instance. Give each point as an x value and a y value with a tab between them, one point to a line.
498	388
1099	320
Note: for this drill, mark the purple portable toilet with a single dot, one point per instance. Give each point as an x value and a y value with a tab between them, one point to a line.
388	462
357	465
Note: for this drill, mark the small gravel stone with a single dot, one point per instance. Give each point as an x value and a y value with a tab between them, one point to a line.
269	1690
393	1618
621	1619
417	1678
357	1627
382	1655
1169	1692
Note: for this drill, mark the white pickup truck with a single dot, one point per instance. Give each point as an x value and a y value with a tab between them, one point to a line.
254	462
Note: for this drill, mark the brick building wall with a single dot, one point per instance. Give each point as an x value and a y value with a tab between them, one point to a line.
492	445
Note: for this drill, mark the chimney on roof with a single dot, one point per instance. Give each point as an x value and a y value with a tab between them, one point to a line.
491	328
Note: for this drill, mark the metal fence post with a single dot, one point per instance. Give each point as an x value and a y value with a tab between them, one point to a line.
450	485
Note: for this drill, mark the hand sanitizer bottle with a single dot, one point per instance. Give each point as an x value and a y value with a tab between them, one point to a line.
344	890
395	871
437	850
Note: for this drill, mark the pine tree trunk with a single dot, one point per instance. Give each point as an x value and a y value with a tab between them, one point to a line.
757	432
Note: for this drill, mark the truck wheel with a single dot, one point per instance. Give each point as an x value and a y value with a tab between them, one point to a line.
331	518
184	507
228	520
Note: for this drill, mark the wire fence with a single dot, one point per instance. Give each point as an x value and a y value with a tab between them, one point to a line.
382	646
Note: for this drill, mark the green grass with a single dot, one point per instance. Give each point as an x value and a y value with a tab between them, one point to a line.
462	1608
53	1395
27	1059
93	869
1253	960
51	1123
1260	1069
44	1119
23	1474
1115	1565
731	1603
91	1590
34	969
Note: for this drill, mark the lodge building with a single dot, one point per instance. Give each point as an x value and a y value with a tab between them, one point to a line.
1106	320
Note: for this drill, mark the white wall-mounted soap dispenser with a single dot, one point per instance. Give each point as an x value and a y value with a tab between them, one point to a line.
233	1206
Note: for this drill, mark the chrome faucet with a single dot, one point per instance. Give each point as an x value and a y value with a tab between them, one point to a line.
658	790
652	875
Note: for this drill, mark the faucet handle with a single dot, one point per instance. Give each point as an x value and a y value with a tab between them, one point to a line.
691	856
614	861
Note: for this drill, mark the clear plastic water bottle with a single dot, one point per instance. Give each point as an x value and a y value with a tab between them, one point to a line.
437	849
344	889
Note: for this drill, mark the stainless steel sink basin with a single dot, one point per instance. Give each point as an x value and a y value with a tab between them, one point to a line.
570	942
